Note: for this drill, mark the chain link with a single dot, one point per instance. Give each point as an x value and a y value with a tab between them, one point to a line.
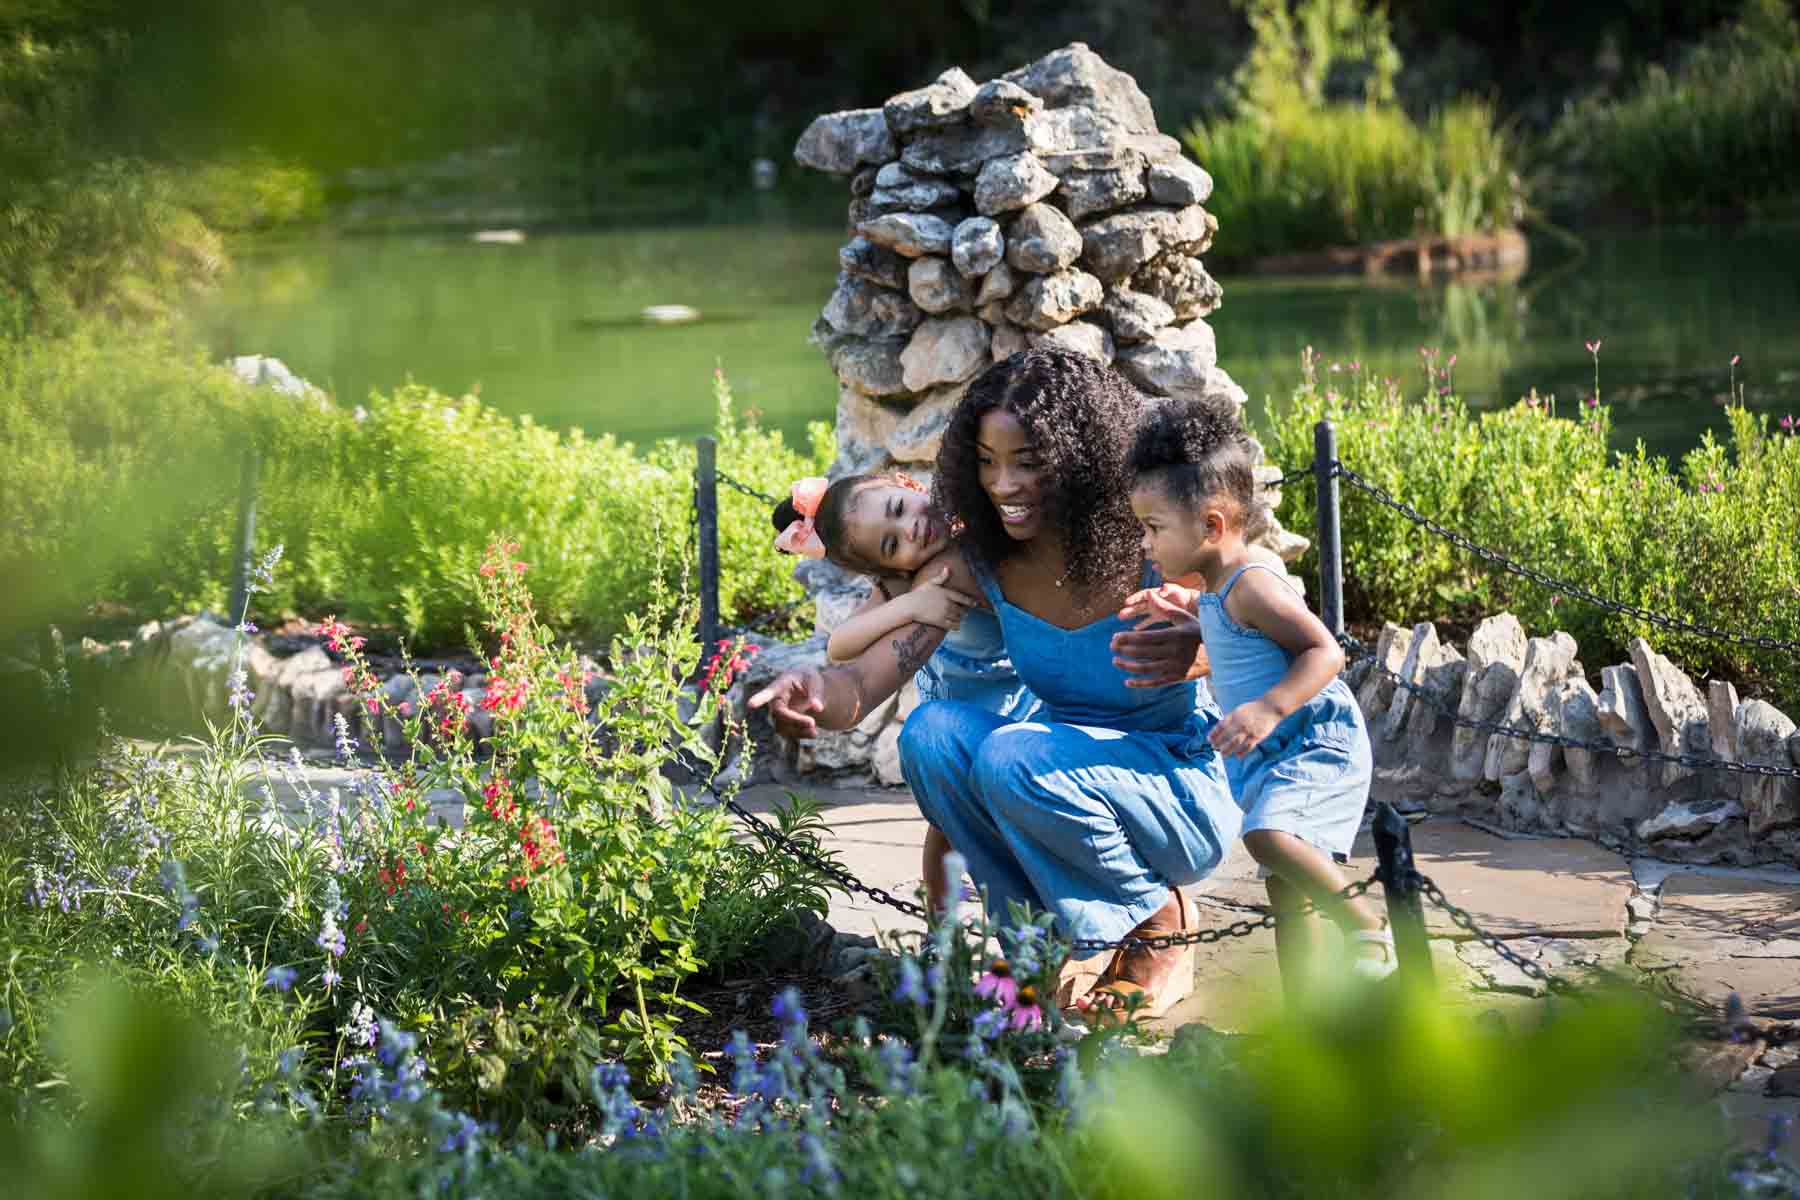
775	839
1562	586
1294	476
1692	762
1466	921
739	486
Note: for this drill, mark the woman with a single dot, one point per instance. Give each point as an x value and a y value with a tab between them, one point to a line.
1110	801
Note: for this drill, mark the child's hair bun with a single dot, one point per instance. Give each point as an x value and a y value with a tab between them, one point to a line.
785	514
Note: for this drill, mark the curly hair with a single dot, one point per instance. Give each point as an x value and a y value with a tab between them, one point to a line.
1196	447
1079	415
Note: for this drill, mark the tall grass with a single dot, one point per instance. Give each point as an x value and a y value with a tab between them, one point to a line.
1303	178
1717	135
1296	168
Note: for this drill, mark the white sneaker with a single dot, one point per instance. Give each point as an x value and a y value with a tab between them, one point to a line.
1364	966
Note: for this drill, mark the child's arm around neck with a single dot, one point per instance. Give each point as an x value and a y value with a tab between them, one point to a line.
937	596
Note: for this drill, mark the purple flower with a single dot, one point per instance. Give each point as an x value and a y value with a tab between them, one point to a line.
245	627
280	978
788	1009
346	745
240	695
1790	425
330	978
911	988
262	576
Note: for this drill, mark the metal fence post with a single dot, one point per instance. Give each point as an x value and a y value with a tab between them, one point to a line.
1400	882
1331	549
246	536
706	514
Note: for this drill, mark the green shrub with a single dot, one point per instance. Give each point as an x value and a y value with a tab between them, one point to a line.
121	477
1714	541
553	929
1717	135
1294	169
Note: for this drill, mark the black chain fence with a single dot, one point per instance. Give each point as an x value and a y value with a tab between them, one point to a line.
1563	586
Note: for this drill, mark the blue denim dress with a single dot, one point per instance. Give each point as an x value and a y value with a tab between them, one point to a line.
971	665
1094	809
1310	777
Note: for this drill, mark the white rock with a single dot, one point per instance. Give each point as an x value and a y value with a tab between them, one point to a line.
1085	193
1009	339
943	102
1180	281
1074	76
1676	708
876	264
1012	182
840	142
1176	361
1581	719
1083	337
862	309
944	350
871	366
1434	666
1760	734
1047	301
938	287
996	285
864	426
1004	105
1623	715
919	435
911	234
1041	240
976	247
1377	691
1135	316
1688	819
1179	181
1496	656
1534	704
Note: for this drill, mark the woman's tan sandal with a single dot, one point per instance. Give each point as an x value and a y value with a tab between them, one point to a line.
1116	992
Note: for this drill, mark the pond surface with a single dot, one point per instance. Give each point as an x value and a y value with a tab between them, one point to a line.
551	326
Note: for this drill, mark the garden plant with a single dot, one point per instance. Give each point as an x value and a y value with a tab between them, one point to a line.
1713	540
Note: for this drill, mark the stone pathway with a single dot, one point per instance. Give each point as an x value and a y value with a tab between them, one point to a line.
1572	907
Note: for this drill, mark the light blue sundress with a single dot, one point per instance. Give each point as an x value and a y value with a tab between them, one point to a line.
1310	777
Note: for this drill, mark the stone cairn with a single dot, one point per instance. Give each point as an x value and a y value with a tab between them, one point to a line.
1042	208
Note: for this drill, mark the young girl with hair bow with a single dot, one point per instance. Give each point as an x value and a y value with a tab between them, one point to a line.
885	527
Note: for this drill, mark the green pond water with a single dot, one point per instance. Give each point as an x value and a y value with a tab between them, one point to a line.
551	327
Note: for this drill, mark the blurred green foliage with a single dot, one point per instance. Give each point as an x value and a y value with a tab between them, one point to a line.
1716	540
1393	1094
1295	169
1716	135
122	484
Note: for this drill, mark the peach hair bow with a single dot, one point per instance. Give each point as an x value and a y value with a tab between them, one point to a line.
800	537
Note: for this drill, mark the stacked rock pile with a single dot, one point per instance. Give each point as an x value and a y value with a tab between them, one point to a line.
1042	208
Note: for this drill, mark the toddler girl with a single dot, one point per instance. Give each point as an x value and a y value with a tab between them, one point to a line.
1297	752
885	527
